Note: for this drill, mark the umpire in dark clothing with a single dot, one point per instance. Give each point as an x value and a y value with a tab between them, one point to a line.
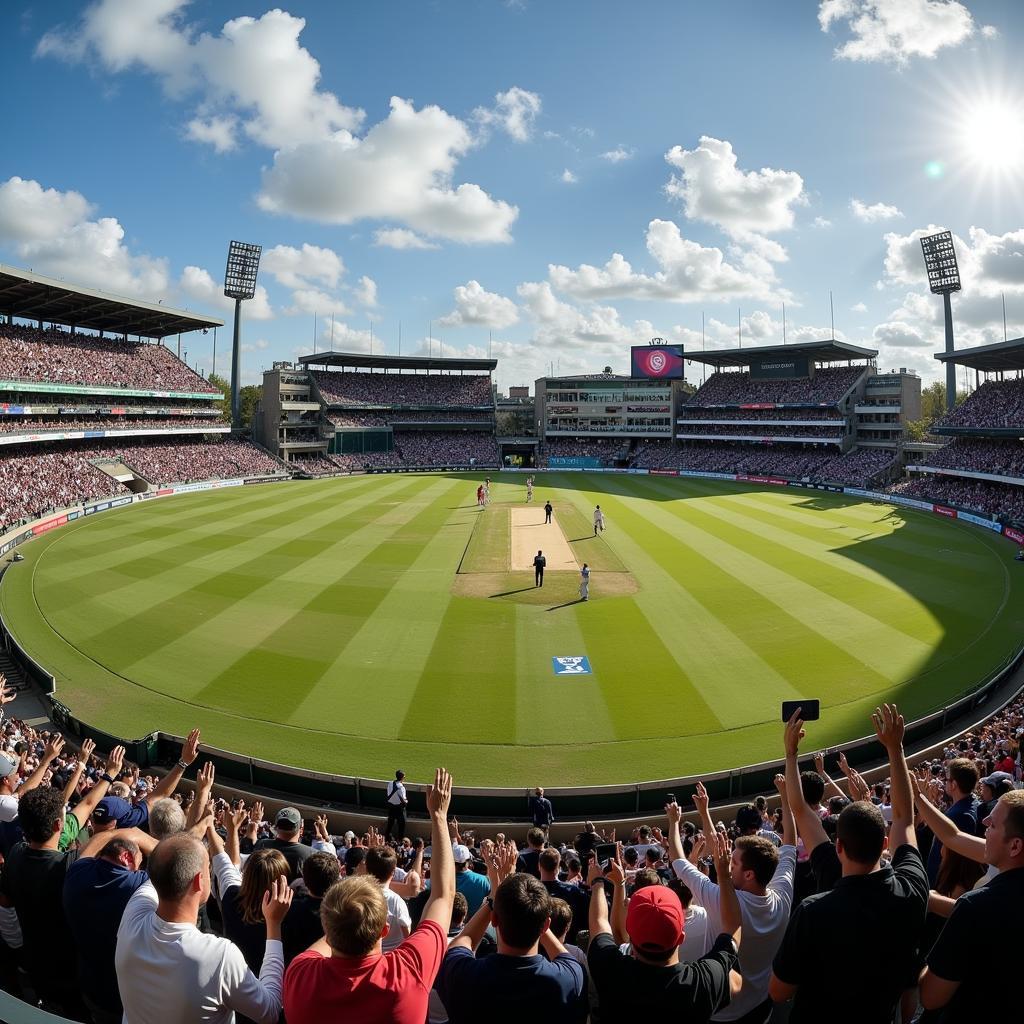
538	569
547	512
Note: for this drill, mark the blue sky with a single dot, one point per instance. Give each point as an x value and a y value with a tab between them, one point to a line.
556	179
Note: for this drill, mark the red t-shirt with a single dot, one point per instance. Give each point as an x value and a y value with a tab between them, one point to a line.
393	987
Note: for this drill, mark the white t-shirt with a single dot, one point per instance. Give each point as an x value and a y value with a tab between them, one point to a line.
8	807
398	915
396	794
764	925
695	937
175	974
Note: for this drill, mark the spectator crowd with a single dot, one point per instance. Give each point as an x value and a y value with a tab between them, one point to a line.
123	898
985	497
28	425
997	403
55	356
827	387
350	388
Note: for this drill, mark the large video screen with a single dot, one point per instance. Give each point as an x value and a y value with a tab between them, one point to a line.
661	362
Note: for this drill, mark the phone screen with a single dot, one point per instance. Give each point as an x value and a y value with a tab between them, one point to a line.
811	709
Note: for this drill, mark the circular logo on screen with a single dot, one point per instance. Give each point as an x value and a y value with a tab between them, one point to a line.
657	362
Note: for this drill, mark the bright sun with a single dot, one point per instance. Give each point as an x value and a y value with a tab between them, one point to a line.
992	134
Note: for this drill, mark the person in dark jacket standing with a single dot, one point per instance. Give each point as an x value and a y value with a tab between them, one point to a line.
540	809
538	569
547	511
397	803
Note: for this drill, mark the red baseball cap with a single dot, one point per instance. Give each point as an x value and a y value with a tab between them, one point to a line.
655	919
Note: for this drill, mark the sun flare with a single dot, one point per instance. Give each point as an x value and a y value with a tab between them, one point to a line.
992	134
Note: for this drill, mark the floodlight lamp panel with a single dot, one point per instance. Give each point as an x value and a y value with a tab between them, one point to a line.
940	263
241	271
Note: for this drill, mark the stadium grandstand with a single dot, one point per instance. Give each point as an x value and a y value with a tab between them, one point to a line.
789	412
95	405
596	420
981	469
345	411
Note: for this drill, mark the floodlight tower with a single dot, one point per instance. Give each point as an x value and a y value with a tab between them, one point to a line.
240	284
943	279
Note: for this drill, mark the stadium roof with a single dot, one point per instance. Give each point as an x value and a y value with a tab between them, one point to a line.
1005	355
830	351
382	362
31	296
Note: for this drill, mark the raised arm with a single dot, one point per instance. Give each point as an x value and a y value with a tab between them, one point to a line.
831	787
788	821
598	918
728	902
204	787
617	878
88	746
945	831
500	865
438	907
888	723
88	802
54	745
702	802
169	783
674	813
808	824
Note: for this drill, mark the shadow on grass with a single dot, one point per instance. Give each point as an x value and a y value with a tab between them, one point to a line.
567	604
508	593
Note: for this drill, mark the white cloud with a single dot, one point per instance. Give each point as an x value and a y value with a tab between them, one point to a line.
515	111
875	212
198	284
254	69
366	292
310	301
400	170
218	132
340	337
401	238
568	177
257	346
896	30
858	307
51	232
712	188
29	213
296	268
474	305
822	222
687	272
990	31
618	154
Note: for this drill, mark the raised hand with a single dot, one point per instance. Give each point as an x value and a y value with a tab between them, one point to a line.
54	745
721	852
674	813
439	796
374	838
256	814
320	823
794	733
701	799
114	761
844	765
276	901
780	784
819	763
859	789
657	835
237	817
205	780
88	746
7	693
699	844
190	749
889	728
616	872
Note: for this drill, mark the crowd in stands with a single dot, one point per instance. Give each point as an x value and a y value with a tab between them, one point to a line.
25	425
427	449
398	417
608	449
30	354
354	389
760	429
123	898
985	497
979	455
855	467
826	387
317	465
766	415
994	404
36	482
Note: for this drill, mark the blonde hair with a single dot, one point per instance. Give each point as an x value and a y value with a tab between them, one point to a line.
353	914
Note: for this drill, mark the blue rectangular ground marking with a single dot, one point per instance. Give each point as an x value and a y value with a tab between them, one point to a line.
571	666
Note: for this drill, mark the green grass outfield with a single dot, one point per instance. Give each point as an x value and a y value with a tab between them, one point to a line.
362	624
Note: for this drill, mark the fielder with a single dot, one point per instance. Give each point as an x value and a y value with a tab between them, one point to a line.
529	488
598	521
585	582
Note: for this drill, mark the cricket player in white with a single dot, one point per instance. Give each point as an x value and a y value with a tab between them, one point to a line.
529	488
585	582
598	521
